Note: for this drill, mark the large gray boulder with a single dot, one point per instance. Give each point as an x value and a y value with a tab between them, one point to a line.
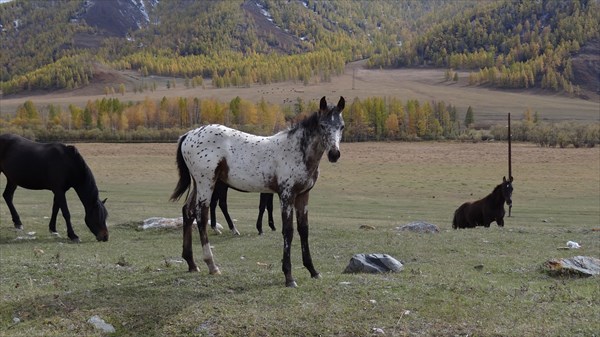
166	223
419	227
373	263
578	265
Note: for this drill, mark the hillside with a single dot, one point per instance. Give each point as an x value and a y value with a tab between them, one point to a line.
503	44
513	44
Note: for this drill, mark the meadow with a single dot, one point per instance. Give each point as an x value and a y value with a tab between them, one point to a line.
476	282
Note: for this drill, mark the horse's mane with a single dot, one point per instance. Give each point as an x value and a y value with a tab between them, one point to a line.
496	193
306	123
87	180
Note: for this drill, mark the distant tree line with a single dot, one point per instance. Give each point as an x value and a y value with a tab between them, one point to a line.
369	119
235	69
69	72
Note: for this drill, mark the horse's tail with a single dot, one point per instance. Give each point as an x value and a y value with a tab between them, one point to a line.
184	173
5	141
458	216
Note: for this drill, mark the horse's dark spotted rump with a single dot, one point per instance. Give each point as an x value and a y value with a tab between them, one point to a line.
55	167
484	211
286	163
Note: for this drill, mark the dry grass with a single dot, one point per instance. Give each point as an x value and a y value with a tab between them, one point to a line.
138	283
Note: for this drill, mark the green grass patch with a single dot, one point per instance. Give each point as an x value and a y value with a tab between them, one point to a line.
478	282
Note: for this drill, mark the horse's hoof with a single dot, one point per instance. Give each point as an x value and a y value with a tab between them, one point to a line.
316	276
217	231
235	232
19	227
292	284
216	271
55	234
75	240
193	270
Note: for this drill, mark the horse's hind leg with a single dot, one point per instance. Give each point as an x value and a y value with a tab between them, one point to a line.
223	207
301	205
269	202
202	222
60	201
261	210
9	192
188	220
213	214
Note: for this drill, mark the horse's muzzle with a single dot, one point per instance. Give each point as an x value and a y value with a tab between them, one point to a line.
333	155
102	236
509	202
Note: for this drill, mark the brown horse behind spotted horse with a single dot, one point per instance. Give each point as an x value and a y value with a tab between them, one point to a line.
484	211
219	197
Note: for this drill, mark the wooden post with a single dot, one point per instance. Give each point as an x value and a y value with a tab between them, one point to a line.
509	158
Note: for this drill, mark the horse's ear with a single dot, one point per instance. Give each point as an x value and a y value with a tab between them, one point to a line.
104	201
504	179
323	104
511	179
341	104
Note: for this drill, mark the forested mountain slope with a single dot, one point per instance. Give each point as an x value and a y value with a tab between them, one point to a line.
514	44
511	44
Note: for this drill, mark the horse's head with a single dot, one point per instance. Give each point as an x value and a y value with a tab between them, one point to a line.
95	219
507	190
331	125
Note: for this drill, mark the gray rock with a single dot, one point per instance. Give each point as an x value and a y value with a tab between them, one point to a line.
373	263
168	223
419	227
578	265
100	324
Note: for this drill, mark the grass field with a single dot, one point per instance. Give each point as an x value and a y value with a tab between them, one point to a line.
138	283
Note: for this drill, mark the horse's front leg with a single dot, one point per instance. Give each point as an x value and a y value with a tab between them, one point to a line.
188	220
287	229
301	206
60	201
9	192
202	222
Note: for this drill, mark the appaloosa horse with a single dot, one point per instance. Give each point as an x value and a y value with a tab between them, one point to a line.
484	211
219	197
55	167
286	163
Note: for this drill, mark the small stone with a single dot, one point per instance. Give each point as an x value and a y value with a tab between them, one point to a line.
100	324
378	331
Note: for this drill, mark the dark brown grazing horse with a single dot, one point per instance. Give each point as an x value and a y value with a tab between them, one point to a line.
219	197
55	167
484	211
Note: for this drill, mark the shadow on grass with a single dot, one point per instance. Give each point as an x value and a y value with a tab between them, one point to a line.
147	303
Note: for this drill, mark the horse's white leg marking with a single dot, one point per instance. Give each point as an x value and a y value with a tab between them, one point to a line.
208	258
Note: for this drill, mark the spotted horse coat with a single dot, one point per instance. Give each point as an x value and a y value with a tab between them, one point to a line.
286	163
